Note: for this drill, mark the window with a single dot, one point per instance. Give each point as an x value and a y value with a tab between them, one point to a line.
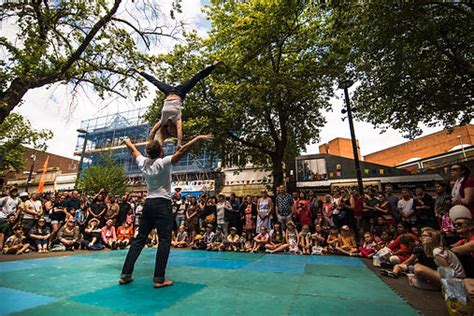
311	170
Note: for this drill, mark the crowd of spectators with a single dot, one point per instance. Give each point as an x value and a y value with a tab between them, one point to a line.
409	233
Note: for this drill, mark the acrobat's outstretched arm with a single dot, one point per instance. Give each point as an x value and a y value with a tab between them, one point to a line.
154	130
163	87
188	85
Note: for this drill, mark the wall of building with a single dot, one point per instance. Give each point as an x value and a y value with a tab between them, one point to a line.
339	147
423	147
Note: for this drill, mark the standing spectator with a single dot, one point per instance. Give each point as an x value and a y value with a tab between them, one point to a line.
442	201
327	208
283	206
249	214
73	204
139	211
358	202
69	235
264	211
369	212
112	211
9	204
58	216
406	208
209	213
48	207
33	210
124	208
233	215
40	235
393	201
181	212
314	206
109	236
383	209
222	207
98	208
463	189
424	208
192	219
304	215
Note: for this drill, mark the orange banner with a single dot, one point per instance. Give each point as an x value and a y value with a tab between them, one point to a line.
43	174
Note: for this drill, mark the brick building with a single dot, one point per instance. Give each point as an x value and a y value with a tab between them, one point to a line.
58	167
341	147
427	146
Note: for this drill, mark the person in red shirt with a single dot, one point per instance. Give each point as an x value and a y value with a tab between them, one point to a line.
402	247
464	248
124	234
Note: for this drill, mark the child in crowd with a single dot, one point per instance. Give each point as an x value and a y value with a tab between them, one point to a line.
348	245
401	248
292	238
305	240
368	248
199	243
232	243
380	226
15	244
261	240
153	238
246	242
383	241
209	236
333	240
318	241
40	235
124	234
323	222
217	243
277	240
181	238
109	236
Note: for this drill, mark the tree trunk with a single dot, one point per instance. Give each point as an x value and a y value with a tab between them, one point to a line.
277	173
11	97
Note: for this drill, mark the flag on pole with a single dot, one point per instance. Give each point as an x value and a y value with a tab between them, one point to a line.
43	174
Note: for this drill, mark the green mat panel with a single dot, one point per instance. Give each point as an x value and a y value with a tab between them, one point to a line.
62	308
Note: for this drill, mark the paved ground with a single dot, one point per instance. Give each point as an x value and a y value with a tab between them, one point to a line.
208	283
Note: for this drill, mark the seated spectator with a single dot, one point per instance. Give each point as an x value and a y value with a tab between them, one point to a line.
401	248
109	236
199	242
181	239
68	236
292	238
217	243
319	241
7	228
152	241
368	248
124	235
15	243
428	278
305	240
464	248
277	240
348	245
383	241
333	240
232	243
322	221
92	236
261	240
380	226
40	235
246	242
209	236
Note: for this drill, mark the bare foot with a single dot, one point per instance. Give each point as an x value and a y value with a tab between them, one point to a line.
165	283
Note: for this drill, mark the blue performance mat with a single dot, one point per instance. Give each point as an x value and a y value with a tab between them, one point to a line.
206	283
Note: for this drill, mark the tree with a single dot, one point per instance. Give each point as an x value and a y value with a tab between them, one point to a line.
413	61
106	174
75	42
264	106
15	133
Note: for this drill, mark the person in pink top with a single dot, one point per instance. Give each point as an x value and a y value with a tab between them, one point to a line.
109	237
328	207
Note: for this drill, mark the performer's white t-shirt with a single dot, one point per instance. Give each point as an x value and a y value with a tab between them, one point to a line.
157	173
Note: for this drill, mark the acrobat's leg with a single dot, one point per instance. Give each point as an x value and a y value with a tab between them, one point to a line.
179	132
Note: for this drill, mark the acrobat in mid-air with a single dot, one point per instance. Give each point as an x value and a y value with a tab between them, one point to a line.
170	124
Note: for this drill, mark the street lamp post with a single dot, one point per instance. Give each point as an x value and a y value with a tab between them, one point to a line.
79	169
33	159
345	84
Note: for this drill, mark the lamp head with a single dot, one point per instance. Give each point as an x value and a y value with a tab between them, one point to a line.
345	84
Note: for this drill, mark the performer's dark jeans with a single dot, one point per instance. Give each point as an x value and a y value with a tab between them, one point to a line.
156	214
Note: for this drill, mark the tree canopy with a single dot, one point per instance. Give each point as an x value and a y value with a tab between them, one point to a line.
15	133
264	105
413	61
76	42
106	174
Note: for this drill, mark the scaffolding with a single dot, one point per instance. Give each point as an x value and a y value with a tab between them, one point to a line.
104	135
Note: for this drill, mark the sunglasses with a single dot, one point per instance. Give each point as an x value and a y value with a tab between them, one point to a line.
458	224
454	169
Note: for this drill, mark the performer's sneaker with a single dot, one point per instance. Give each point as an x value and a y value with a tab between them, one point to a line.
158	285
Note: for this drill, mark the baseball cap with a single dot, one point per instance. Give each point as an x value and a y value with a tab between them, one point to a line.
345	227
459	211
24	194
